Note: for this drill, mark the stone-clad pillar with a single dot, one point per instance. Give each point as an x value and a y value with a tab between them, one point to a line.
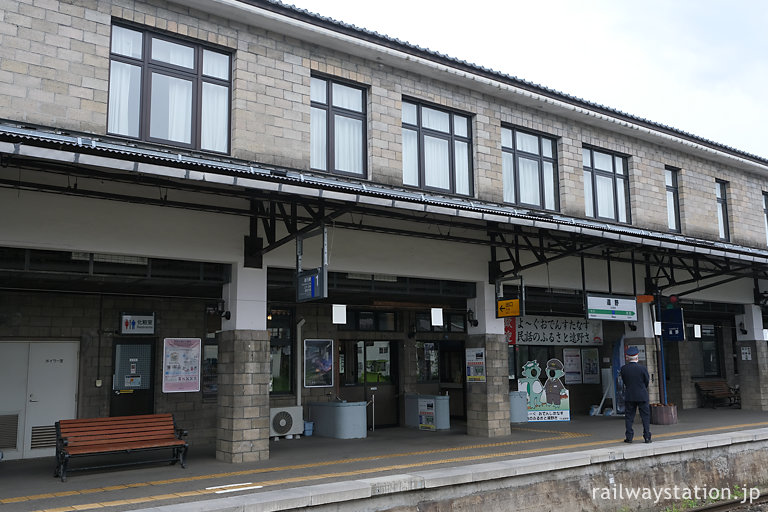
488	411
243	395
753	362
242	433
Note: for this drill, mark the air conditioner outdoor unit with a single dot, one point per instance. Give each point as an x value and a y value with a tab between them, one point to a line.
285	421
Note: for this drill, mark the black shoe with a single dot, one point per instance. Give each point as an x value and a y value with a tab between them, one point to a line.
648	441
628	441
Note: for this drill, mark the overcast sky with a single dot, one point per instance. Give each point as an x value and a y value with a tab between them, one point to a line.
700	66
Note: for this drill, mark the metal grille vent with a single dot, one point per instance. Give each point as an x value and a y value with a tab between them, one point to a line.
43	437
9	431
282	423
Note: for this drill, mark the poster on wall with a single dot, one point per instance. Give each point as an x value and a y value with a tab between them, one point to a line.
181	365
572	363
475	365
590	366
318	363
553	330
548	401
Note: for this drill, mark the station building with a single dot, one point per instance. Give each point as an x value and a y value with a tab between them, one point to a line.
168	168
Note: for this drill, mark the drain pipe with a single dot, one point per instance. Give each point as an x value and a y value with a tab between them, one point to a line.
299	357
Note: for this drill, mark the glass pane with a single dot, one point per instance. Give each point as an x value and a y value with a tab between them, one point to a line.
765	221
586	157
410	158
280	362
508	178
126	42
506	138
620	167
124	99
317	91
719	190
214	118
318	139
589	210
436	163
546	147
462	167
765	201
668	178
621	199
171	111
216	64
377	362
173	53
605	197
721	221
528	172
435	119
527	143
549	185
347	97
460	125
603	161
387	321
348	144
671	212
409	113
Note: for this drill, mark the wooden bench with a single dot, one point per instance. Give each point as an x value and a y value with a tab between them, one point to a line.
117	435
717	391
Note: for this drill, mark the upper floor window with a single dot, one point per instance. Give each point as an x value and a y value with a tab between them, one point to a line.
673	198
529	165
437	149
721	191
765	214
337	127
167	90
606	185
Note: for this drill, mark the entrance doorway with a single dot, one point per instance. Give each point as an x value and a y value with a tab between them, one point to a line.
132	381
38	387
368	372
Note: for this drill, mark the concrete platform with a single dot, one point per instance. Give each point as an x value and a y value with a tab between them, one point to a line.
316	471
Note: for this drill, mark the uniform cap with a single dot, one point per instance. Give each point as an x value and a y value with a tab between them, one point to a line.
632	351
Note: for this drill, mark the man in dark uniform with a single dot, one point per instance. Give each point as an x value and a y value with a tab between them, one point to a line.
635	378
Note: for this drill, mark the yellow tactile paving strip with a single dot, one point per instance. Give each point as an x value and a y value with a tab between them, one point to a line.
357	472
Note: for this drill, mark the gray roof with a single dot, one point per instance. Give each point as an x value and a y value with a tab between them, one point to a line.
407	47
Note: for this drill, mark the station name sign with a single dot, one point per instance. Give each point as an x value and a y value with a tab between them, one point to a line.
610	307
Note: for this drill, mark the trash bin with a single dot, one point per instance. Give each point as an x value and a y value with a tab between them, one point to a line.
518	406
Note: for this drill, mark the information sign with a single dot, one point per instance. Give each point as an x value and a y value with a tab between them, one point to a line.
604	307
427	414
137	324
181	365
311	285
506	308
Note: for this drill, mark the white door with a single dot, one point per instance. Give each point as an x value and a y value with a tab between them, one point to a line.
13	398
43	390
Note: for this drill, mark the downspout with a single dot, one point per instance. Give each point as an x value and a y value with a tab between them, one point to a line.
299	325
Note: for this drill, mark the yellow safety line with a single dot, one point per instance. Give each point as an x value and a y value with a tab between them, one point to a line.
161	497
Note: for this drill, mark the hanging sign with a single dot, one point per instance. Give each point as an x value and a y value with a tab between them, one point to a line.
505	308
181	365
605	307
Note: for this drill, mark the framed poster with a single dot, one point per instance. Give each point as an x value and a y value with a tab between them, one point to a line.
475	364
590	366
572	362
181	365
318	363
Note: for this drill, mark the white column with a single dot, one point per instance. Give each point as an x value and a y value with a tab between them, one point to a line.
484	308
752	321
246	299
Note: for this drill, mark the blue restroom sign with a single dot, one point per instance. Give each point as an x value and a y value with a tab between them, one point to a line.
137	324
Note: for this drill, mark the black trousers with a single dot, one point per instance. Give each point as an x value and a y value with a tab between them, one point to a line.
630	408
